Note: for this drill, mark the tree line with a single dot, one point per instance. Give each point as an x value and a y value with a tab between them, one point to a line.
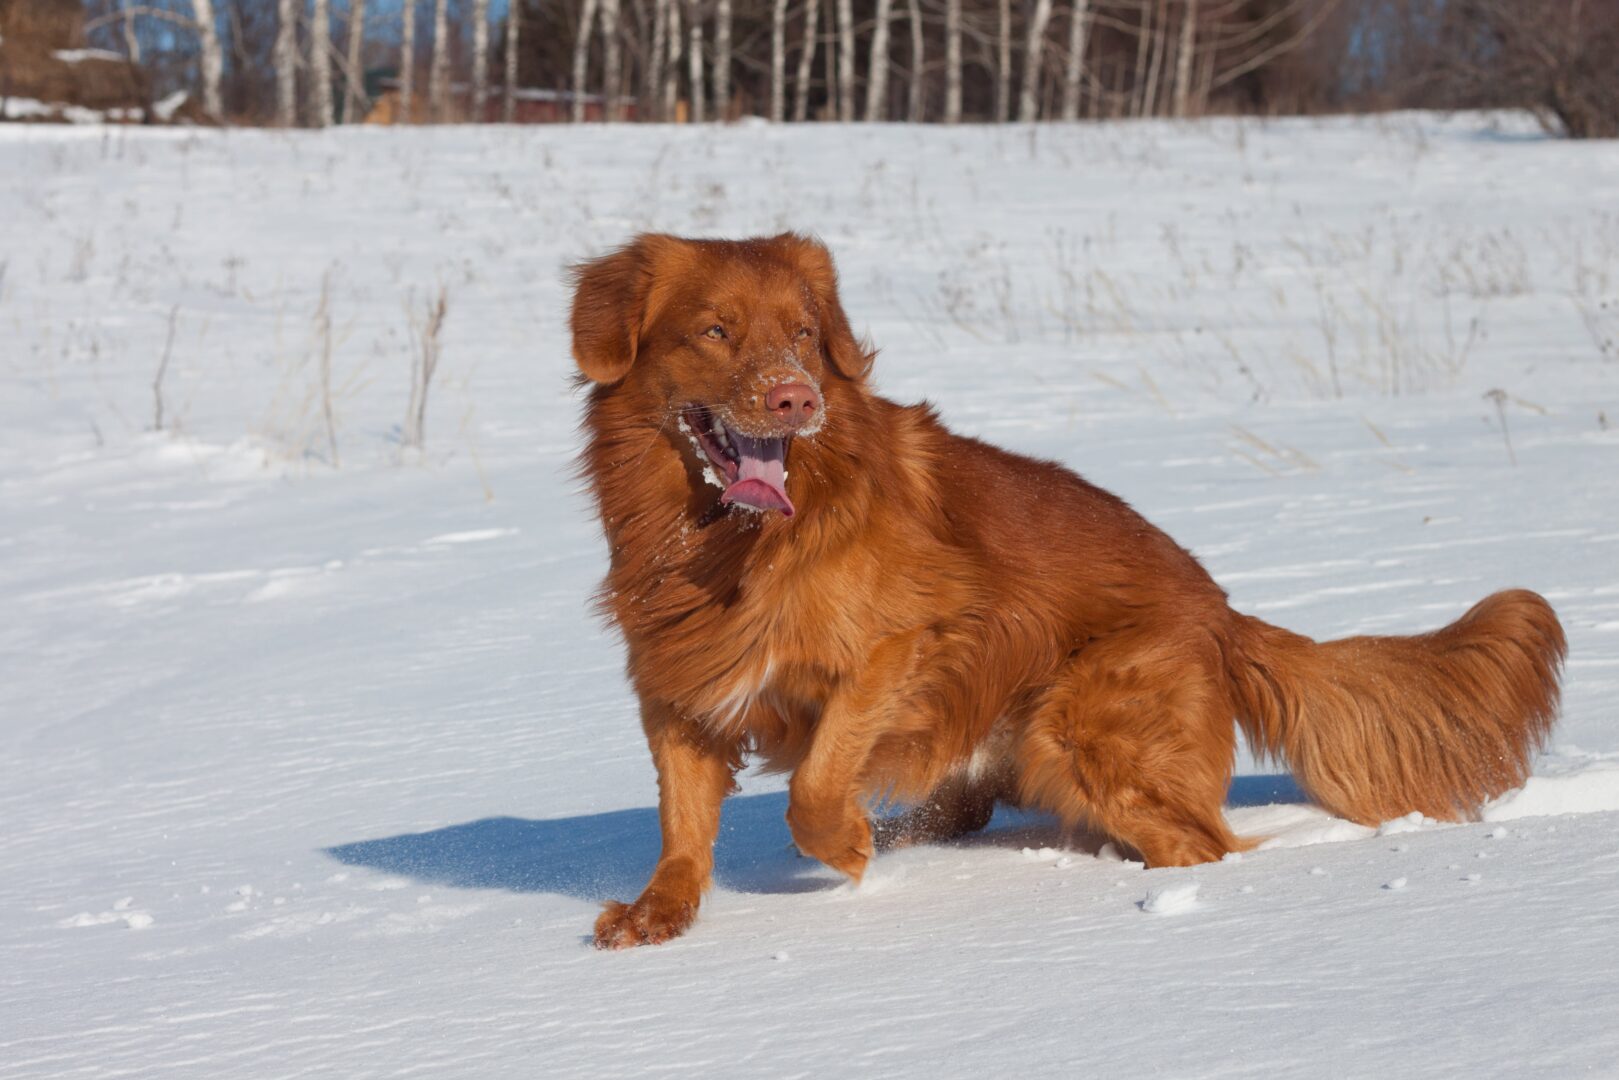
317	62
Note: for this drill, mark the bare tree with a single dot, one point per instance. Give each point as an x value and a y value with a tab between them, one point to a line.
1034	51
829	63
1143	44
845	60
1079	27
210	59
132	40
612	60
480	59
514	22
694	61
995	60
1555	59
1160	42
581	58
1183	59
652	70
877	66
438	68
320	65
285	58
722	60
354	102
778	61
806	62
918	97
407	59
1003	65
671	78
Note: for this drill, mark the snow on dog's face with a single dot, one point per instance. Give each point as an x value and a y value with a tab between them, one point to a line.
730	342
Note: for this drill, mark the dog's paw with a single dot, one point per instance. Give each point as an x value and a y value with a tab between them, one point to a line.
845	846
651	920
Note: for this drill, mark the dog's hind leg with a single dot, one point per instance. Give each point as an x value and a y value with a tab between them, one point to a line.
1136	738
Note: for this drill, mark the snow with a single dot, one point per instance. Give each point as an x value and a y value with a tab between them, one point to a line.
21	108
344	744
165	107
74	56
1174	899
1564	786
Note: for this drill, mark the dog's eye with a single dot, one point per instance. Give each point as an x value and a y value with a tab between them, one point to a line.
804	332
716	332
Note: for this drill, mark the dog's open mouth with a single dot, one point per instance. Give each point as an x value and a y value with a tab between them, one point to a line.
753	471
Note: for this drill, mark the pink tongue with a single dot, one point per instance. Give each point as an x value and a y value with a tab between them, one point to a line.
761	482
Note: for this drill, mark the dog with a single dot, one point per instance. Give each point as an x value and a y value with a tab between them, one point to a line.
811	575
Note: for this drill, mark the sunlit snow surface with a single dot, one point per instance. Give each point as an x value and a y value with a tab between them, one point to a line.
316	770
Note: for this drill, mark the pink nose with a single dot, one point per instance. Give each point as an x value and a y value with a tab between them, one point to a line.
794	403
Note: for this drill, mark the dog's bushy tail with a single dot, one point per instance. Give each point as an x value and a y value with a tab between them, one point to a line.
1376	727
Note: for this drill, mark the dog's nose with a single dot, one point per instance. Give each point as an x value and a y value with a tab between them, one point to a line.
794	402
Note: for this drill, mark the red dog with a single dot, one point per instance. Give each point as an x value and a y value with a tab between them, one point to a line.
810	573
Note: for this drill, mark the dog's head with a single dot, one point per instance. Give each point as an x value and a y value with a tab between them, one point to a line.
737	342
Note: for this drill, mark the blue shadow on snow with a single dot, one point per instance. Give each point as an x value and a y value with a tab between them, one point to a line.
610	855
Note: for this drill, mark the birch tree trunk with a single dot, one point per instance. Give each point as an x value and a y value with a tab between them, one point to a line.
514	22
1160	40
1205	82
212	60
1003	67
132	41
285	58
917	105
1034	52
952	61
671	76
320	65
581	58
652	72
778	61
480	59
612	61
722	60
438	71
694	63
407	60
846	60
1183	59
354	100
877	66
1138	85
834	107
1079	31
806	61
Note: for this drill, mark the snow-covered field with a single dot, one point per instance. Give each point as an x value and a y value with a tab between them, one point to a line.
313	761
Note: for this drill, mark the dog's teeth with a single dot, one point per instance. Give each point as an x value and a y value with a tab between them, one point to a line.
720	436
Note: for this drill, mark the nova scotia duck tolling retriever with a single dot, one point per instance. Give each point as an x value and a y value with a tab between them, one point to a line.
810	575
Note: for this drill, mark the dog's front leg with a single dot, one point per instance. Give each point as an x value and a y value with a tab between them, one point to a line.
824	810
694	776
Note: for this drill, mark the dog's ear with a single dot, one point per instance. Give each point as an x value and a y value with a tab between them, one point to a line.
609	309
851	357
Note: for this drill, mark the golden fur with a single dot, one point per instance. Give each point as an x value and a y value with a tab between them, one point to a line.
951	625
